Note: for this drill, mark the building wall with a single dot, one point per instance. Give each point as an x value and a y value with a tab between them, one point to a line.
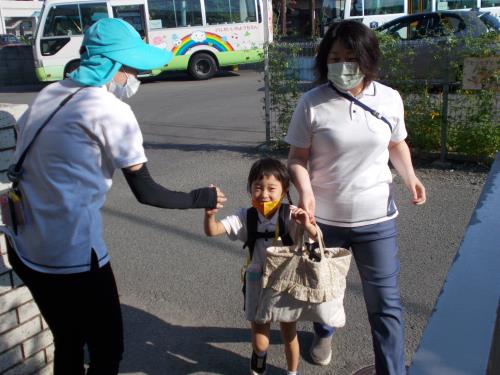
17	9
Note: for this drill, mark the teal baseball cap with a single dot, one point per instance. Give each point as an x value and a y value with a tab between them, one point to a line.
111	43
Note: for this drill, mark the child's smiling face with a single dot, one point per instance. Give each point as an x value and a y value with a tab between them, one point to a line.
267	189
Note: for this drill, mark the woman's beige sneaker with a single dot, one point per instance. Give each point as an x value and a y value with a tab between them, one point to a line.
321	350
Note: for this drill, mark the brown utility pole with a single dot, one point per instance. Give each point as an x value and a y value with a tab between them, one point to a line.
283	17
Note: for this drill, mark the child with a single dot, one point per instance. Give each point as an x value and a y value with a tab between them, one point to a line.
268	183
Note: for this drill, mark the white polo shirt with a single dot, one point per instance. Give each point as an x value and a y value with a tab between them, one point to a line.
67	173
348	162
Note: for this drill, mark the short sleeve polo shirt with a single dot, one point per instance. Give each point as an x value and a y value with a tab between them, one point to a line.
348	162
68	171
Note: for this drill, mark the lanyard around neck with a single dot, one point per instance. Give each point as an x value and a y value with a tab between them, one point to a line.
362	105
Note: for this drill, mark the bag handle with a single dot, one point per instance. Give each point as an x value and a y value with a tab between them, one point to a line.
299	240
321	241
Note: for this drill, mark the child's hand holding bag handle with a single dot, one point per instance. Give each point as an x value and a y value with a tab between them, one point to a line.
298	285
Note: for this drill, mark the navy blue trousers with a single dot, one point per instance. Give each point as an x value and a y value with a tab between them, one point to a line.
375	251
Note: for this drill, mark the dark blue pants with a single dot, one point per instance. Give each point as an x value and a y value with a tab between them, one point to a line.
375	251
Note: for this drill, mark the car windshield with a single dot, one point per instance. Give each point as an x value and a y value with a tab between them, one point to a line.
490	21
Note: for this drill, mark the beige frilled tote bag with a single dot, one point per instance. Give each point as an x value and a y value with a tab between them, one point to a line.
299	284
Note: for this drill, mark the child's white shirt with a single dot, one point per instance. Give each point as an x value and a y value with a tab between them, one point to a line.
236	229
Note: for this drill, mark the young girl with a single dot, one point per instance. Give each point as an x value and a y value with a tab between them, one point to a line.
268	183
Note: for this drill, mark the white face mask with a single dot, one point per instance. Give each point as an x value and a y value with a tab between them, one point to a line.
127	90
345	75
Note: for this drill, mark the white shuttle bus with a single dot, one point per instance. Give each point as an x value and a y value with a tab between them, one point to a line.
203	35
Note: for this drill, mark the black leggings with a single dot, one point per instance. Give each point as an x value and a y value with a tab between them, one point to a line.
81	308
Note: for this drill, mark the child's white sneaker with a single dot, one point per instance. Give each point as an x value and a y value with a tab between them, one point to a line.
258	364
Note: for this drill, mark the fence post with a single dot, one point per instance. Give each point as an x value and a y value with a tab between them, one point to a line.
444	124
267	93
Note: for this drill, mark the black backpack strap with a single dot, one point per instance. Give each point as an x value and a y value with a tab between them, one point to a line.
252	218
283	216
253	234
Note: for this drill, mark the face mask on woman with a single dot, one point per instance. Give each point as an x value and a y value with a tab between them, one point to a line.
345	75
127	90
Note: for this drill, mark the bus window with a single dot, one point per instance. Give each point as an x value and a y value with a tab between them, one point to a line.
332	10
91	13
133	15
461	4
175	13
63	20
373	7
356	8
227	11
489	3
246	9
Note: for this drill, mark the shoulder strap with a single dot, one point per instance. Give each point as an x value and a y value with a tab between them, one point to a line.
283	218
15	170
362	105
252	218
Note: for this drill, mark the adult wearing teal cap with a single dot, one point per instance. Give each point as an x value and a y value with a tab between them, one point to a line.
73	137
110	44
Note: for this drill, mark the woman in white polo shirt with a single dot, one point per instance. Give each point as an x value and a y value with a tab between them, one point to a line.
342	135
60	252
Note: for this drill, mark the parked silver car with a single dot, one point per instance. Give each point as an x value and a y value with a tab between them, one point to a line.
425	40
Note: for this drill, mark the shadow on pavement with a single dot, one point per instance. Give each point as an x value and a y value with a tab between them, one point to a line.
23	88
156	347
179	76
250	151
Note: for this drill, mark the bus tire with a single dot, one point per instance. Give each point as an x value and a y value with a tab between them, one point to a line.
72	65
202	66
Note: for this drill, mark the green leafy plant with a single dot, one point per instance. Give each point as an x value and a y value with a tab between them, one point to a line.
284	87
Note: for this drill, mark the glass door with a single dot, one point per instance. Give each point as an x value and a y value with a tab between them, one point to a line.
419	6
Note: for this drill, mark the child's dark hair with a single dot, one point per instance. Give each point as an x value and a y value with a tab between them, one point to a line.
269	167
